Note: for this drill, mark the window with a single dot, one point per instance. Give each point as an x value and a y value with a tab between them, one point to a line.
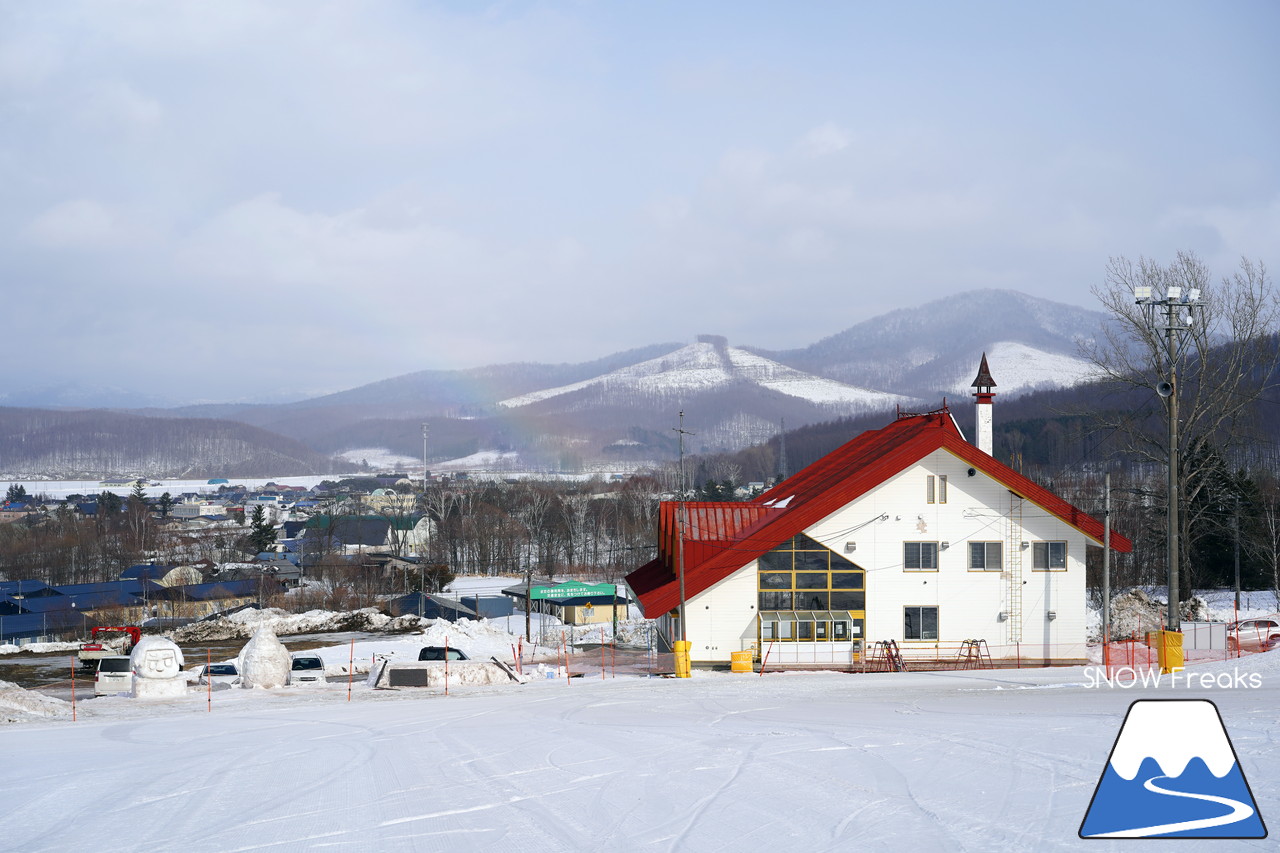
920	556
920	623
985	556
804	577
929	488
1048	556
942	488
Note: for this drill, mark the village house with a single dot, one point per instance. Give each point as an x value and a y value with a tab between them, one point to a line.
907	534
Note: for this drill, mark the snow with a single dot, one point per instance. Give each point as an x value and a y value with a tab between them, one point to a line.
1173	736
701	366
948	761
1018	368
59	489
19	705
264	661
379	458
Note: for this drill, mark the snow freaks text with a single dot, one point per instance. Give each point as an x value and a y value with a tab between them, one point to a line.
1127	677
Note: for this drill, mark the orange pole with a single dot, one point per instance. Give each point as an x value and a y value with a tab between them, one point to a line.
73	688
208	681
602	654
351	667
446	665
765	662
565	649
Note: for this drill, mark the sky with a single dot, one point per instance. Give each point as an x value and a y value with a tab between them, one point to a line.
244	200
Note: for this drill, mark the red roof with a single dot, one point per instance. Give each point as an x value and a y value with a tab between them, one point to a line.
720	538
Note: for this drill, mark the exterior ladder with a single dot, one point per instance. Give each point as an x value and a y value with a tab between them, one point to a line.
974	654
1013	568
887	657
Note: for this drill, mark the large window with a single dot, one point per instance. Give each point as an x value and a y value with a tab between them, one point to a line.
985	556
920	623
1049	556
810	593
920	556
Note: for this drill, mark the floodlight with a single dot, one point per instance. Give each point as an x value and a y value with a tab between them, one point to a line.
1193	294
1175	292
1142	292
1187	319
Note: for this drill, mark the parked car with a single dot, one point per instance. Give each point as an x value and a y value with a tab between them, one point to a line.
306	669
1257	635
219	673
438	653
113	675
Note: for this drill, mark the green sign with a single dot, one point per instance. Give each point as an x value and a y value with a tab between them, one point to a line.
573	589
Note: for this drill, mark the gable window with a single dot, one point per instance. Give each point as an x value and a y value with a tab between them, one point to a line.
985	556
1047	556
942	488
802	575
920	556
929	488
920	623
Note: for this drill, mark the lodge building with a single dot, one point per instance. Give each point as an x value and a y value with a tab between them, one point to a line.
907	533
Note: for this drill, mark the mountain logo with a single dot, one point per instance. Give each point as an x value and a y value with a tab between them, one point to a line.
1173	773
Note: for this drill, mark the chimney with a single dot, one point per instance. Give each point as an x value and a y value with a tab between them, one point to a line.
982	411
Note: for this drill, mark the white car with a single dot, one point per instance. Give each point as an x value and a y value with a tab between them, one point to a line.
219	673
114	675
1258	635
306	669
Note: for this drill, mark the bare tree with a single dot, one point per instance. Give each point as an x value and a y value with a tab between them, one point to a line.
1227	358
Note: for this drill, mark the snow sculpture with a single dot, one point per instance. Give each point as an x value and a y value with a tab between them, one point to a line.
264	661
157	669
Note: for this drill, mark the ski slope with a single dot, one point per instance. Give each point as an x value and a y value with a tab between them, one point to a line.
977	760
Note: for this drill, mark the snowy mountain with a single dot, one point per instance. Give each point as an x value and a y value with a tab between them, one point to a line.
926	351
712	364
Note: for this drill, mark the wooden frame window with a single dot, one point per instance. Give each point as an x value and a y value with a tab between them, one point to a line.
920	623
1049	556
930	488
920	556
942	488
986	556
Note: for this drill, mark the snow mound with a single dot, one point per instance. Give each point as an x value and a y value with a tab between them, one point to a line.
1136	612
461	673
245	622
18	705
38	648
264	661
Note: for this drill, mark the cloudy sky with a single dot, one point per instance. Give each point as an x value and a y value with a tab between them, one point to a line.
243	198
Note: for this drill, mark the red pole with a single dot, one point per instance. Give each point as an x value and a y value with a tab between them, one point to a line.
601	654
208	661
73	688
613	658
351	666
446	665
765	662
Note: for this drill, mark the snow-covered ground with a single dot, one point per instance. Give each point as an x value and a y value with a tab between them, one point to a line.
59	489
977	760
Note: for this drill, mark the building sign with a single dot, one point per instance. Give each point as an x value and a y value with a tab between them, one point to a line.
573	589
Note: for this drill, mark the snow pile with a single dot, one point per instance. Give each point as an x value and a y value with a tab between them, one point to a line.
18	705
264	661
1136	612
38	648
245	622
460	673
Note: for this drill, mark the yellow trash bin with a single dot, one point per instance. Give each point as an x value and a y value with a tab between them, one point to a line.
682	658
1169	653
741	661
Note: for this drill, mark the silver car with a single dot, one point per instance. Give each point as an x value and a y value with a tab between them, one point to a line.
306	669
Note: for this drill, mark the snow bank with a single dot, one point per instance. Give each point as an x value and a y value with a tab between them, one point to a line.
18	705
38	648
461	672
245	622
1137	612
264	661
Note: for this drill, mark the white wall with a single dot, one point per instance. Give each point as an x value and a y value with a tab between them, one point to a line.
723	619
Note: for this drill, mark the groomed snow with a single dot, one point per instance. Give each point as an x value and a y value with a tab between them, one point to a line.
947	761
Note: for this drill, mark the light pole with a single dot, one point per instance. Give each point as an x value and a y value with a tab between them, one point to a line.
1173	314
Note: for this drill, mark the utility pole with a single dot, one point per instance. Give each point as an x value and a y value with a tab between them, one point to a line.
425	428
1106	559
528	603
782	449
1175	328
680	522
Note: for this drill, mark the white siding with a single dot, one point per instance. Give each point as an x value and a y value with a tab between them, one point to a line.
723	619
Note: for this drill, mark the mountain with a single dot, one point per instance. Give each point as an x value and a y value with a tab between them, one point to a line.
932	350
99	443
622	407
